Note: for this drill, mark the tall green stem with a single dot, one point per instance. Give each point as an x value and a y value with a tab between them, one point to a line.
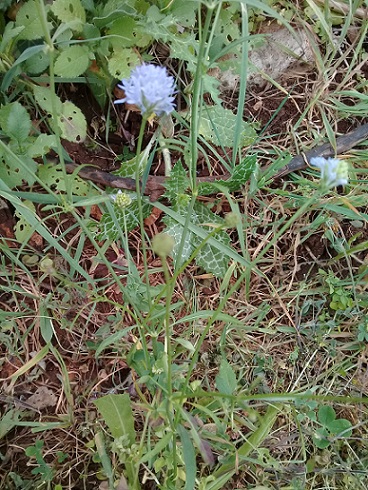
140	207
197	92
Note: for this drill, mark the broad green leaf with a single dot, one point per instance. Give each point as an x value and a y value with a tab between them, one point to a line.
72	62
128	33
320	438
176	230
184	12
189	458
15	121
70	11
41	145
339	426
208	256
46	327
10	32
122	61
37	63
218	126
117	7
226	380
29	18
45	98
117	414
127	219
72	123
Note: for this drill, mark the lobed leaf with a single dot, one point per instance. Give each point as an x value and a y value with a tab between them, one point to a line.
218	126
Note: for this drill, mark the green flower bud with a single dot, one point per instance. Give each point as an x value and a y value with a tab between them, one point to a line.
232	220
163	244
122	200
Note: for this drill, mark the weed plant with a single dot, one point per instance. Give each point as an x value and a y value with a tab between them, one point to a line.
208	337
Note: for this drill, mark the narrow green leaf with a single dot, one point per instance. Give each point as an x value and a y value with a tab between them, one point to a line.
105	460
189	458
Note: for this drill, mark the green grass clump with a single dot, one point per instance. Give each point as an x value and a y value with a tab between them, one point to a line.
174	317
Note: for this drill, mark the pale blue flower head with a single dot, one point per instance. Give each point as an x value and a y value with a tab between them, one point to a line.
334	172
151	89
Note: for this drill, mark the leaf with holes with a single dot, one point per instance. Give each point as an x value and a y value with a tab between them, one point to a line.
23	230
218	126
53	176
15	122
37	63
46	98
72	62
126	32
12	172
70	12
72	123
122	61
28	17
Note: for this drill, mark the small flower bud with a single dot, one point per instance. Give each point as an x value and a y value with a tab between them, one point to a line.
121	199
163	244
232	220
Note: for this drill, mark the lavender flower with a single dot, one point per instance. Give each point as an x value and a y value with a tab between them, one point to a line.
333	171
151	89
